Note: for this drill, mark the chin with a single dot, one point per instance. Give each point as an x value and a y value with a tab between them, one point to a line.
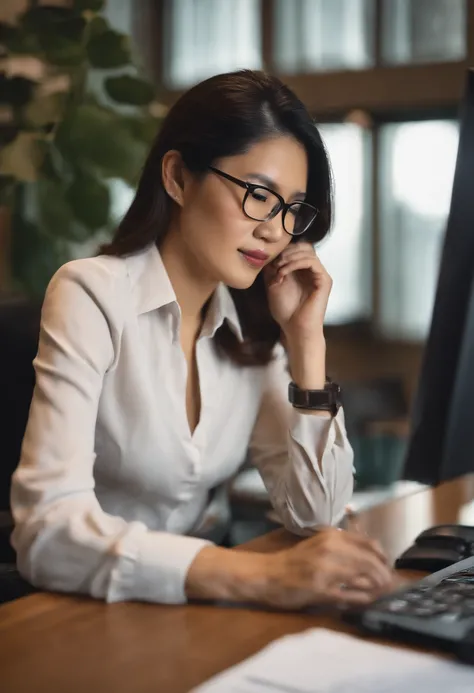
240	280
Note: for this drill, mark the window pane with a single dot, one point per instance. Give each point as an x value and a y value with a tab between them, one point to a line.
205	37
420	31
417	167
323	35
346	253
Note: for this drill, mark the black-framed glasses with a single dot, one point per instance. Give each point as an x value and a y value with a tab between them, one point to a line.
262	204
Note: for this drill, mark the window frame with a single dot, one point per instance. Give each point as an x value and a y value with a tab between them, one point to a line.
383	93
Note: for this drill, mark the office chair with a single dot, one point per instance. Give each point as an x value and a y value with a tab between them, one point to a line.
19	330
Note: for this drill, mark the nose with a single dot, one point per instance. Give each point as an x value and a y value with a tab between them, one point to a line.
271	231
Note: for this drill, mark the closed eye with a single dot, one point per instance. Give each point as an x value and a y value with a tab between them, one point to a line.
295	209
259	195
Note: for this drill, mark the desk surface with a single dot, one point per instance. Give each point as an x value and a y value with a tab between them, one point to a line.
53	643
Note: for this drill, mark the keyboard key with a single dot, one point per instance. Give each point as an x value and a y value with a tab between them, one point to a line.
397	605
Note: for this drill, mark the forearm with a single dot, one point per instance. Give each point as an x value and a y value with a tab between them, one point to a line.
226	574
307	362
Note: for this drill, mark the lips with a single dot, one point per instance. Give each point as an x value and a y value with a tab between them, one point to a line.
256	254
254	258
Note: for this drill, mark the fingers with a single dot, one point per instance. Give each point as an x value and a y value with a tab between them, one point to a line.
287	256
298	256
298	260
295	257
298	263
346	564
345	596
294	250
366	564
360	582
333	566
319	275
366	542
368	551
298	246
356	554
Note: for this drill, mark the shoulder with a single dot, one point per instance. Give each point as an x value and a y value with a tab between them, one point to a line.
102	273
89	285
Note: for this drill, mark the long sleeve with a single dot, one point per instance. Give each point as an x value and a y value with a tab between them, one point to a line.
63	538
306	461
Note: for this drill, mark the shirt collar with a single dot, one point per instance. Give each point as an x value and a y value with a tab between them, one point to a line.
222	307
152	289
151	286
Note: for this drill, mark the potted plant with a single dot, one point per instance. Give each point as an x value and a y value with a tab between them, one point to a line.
75	119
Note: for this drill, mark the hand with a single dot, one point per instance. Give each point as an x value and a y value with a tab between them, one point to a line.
298	289
333	567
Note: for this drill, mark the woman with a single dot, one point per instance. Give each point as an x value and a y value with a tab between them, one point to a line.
165	359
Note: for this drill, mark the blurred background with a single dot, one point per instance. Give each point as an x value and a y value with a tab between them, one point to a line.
84	86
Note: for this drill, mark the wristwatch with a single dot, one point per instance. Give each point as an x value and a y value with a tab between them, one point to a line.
328	399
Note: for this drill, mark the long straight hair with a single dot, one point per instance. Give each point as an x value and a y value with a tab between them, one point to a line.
220	117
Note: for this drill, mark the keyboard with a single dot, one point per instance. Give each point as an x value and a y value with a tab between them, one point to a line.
437	610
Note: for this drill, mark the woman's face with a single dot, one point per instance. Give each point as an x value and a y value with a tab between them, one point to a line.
215	233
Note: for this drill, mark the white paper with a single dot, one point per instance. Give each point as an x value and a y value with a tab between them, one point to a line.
323	661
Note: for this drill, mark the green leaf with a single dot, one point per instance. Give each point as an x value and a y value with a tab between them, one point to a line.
89	199
98	26
58	32
108	50
129	90
54	212
35	257
95	136
18	39
142	127
63	52
47	21
88	5
56	216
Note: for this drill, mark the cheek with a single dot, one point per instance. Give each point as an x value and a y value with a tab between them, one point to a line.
215	210
224	218
213	224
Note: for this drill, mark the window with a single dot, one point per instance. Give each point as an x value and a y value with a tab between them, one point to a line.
417	170
346	252
421	31
205	37
323	34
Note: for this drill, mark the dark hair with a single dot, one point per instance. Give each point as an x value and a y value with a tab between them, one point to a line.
224	116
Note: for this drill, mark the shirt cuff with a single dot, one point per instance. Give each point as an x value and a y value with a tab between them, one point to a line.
312	431
152	566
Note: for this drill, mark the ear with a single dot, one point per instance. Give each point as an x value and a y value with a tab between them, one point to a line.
172	172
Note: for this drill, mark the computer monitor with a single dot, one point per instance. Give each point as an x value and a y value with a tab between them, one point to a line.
441	444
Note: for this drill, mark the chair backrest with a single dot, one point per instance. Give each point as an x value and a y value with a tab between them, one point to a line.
19	331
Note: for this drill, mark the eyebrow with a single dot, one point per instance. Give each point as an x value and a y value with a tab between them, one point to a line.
273	185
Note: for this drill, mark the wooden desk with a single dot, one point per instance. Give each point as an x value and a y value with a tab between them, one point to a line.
54	644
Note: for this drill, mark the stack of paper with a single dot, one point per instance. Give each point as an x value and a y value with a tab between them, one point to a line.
322	661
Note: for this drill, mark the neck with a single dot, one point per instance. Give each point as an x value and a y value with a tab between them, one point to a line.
191	287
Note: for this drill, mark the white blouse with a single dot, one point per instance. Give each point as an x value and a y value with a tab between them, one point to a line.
111	479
